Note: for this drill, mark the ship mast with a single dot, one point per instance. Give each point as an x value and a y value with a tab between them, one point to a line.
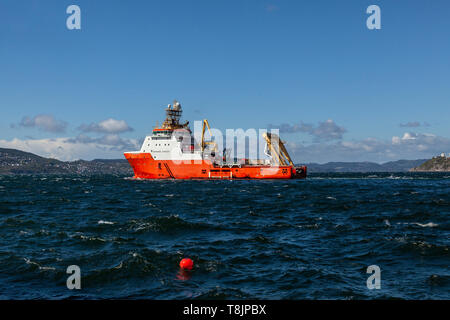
173	115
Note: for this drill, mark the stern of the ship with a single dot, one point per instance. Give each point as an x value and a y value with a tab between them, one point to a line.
299	172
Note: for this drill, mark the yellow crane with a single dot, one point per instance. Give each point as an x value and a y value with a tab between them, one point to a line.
204	143
278	152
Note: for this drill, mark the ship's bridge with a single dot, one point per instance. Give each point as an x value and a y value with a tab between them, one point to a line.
159	131
161	134
172	140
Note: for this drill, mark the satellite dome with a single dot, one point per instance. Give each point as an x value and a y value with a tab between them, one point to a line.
176	105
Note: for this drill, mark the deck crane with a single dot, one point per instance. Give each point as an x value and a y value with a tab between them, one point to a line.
204	143
277	149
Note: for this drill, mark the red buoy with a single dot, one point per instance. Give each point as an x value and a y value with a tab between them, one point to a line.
187	264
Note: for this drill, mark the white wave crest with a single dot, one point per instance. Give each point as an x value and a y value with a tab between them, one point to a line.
105	222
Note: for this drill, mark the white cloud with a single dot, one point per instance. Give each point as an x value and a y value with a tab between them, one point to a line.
73	148
110	145
325	131
414	124
406	136
44	122
409	146
113	140
328	130
107	126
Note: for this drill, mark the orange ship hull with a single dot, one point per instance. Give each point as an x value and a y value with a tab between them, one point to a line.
145	167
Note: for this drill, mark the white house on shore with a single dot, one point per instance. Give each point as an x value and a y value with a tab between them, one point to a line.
442	155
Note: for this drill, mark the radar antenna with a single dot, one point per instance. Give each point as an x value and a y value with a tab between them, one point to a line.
173	115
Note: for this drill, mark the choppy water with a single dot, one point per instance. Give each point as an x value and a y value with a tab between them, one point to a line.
310	239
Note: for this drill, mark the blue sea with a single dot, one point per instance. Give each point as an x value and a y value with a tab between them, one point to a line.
286	239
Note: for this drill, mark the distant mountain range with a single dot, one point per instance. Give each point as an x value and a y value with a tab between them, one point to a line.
391	166
19	162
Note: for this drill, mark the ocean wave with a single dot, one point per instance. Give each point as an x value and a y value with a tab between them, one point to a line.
169	224
44	268
421	247
221	294
105	222
426	225
278	239
88	238
423	225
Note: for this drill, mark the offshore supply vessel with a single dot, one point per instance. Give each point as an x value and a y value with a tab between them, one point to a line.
171	152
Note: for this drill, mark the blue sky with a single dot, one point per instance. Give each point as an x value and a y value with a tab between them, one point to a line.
341	92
